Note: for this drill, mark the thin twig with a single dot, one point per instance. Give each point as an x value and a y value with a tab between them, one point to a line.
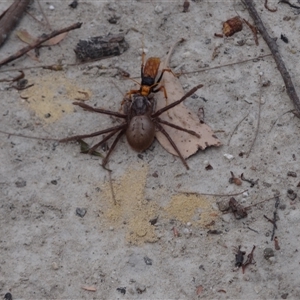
44	16
29	137
290	89
254	31
183	73
214	195
111	187
258	119
38	42
236	127
10	18
290	4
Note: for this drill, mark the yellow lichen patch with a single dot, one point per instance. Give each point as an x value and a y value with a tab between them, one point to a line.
51	94
131	211
193	208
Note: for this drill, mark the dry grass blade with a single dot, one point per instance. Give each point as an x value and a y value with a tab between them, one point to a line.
181	116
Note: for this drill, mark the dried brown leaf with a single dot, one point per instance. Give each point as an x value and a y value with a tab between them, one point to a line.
181	116
56	39
199	290
25	36
89	288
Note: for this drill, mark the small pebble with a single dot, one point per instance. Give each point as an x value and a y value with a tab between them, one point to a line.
188	224
47	115
148	261
158	9
51	7
284	296
245	194
122	290
228	156
268	253
80	212
186	231
291	174
186	54
20	183
54	266
291	194
54	182
257	289
140	288
111	228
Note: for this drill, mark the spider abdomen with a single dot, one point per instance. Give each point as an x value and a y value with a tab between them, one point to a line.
140	133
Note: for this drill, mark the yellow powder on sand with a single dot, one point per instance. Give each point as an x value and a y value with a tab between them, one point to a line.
193	208
133	212
51	94
131	209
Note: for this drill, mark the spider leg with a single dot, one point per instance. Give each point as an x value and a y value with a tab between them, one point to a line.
172	143
188	94
178	127
93	148
79	137
100	110
105	160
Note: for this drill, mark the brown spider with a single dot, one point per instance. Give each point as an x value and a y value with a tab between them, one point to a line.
139	126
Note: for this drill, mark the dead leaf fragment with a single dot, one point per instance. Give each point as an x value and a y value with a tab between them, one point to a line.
55	40
89	288
27	38
181	116
199	290
231	26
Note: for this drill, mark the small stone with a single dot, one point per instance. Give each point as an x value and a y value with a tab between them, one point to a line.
122	290
245	194
186	54
268	253
55	266
223	205
284	296
47	115
228	156
291	174
111	228
54	182
282	206
189	224
80	212
20	183
158	9
51	7
140	288
226	218
148	261
291	194
257	289
187	232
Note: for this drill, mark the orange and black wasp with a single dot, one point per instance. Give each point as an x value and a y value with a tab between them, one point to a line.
149	72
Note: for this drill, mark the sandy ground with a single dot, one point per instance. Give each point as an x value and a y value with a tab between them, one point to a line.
48	251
